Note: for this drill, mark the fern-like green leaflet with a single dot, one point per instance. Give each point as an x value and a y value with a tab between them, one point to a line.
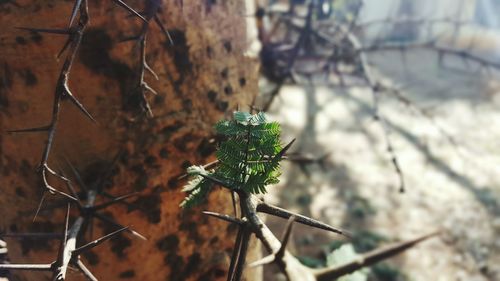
248	158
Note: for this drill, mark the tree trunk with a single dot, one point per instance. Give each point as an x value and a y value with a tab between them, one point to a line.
201	77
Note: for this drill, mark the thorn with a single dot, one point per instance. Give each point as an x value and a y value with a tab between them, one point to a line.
96	242
66	227
132	11
278	256
39	206
236	254
130	38
148	88
245	240
165	31
286	237
217	181
69	95
115	201
233	200
148	68
282	213
47	30
85	271
77	176
30	130
224	217
66	45
30	267
112	222
57	175
263	261
32	235
370	258
284	150
76	7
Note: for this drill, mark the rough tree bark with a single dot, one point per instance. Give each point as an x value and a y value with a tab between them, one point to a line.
202	76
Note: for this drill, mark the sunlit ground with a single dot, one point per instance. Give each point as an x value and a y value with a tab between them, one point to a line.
450	159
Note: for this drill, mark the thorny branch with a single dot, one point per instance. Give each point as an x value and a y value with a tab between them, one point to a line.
150	13
71	244
74	33
304	42
251	224
70	247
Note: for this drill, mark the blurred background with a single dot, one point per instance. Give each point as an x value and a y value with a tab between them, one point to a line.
394	104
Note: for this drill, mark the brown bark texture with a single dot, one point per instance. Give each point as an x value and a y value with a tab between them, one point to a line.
203	76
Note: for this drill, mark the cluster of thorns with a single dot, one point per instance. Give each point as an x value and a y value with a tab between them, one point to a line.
72	241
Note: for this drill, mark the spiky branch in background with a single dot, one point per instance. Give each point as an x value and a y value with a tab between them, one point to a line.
150	13
248	162
69	254
72	241
316	40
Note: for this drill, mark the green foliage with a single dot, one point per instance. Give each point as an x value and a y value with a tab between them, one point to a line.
248	158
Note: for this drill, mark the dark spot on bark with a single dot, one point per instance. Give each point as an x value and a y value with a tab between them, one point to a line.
228	90
192	230
141	182
159	99
219	273
28	244
163	153
206	148
224	73
210	52
214	240
5	84
212	274
20	192
173	183
151	206
180	53
36	37
29	78
150	161
187	105
243	82
93	173
168	244
91	257
211	95
186	164
124	156
25	168
193	263
221	105
183	142
95	55
169	130
209	4
176	263
232	228
119	244
127	274
20	40
228	46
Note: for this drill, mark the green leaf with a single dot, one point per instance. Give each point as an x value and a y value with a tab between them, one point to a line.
248	157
